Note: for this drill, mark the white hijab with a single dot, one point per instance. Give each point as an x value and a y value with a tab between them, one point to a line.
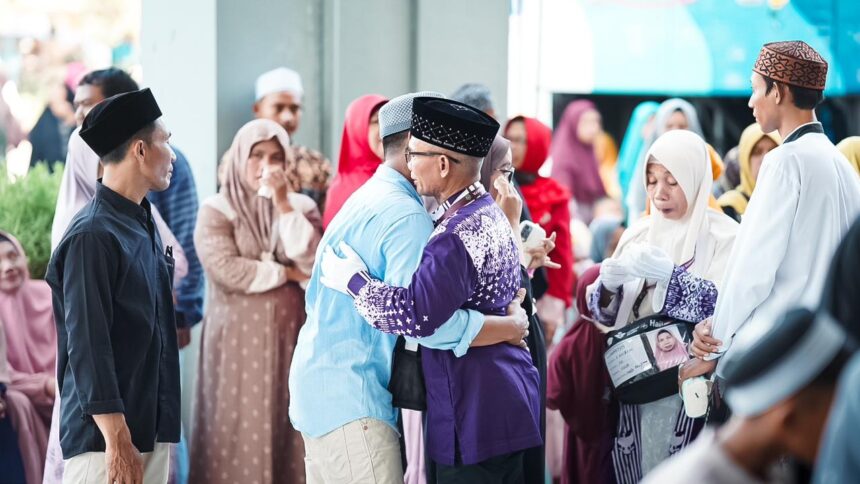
77	187
703	235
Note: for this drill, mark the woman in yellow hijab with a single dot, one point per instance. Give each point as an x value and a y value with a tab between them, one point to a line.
850	147
754	144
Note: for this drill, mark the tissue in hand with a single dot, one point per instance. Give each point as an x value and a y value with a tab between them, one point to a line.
265	191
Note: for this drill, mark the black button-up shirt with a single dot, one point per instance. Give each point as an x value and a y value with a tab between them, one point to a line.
113	305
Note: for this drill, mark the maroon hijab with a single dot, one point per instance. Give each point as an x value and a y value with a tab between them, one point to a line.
578	386
574	163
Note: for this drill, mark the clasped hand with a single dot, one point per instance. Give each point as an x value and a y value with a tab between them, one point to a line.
638	261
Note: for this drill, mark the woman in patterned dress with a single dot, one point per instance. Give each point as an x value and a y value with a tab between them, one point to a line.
256	240
670	262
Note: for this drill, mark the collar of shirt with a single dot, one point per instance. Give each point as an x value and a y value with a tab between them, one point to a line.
811	127
388	174
142	212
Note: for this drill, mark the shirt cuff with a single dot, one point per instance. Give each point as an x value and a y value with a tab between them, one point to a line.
103	407
473	327
181	322
357	282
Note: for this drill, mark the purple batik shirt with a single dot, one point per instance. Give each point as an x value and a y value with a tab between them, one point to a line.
487	402
688	298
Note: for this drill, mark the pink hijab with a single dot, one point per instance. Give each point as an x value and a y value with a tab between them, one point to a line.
27	317
574	163
254	211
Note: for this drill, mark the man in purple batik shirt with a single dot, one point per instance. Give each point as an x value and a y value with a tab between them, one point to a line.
483	409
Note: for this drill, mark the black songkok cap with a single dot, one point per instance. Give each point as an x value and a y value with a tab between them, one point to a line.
113	121
453	125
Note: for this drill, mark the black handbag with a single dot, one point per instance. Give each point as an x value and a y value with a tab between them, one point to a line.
407	378
643	358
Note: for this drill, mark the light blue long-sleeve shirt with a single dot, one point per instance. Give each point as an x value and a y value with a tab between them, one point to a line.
342	365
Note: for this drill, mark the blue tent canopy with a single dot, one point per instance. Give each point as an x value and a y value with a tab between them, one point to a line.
708	47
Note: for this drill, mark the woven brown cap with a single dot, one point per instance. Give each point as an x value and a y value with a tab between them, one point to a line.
793	62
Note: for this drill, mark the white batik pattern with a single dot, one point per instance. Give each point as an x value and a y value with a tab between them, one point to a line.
488	240
374	303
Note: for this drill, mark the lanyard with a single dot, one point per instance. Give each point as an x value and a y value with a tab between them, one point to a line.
447	209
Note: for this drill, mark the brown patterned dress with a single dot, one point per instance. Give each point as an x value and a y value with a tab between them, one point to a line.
242	432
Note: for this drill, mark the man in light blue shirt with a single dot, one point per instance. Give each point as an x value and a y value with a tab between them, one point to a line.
339	396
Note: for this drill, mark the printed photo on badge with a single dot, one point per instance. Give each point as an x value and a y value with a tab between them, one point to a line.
668	347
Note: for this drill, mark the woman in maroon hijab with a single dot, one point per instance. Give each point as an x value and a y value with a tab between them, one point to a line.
574	163
360	152
578	386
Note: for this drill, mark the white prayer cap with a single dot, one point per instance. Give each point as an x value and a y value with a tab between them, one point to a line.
279	80
772	361
396	115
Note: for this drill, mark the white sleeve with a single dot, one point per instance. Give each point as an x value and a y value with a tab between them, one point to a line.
299	235
268	276
759	248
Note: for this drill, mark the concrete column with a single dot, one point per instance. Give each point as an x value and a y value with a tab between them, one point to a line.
459	42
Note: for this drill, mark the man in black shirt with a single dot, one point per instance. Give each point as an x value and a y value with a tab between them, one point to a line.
118	361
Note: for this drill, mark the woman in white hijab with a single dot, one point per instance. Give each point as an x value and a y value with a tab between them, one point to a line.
670	262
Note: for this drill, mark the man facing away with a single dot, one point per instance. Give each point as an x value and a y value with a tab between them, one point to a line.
342	365
470	262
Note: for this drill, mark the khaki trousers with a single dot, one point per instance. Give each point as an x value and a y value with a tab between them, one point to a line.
89	467
365	451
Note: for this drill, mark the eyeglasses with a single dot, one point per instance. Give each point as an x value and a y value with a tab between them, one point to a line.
410	154
508	173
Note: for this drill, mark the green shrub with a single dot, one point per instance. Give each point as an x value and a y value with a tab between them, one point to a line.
27	211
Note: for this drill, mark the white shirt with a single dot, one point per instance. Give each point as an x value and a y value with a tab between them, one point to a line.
806	198
702	462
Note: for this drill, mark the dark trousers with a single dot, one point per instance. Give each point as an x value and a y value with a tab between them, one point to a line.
503	469
11	465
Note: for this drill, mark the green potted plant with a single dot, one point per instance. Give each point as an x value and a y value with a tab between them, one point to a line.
27	210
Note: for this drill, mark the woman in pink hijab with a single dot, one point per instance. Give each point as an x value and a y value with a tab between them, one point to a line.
574	163
26	318
668	350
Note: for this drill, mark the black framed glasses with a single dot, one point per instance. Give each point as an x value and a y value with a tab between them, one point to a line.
410	154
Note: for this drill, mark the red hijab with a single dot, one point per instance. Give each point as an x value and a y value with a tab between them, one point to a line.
357	162
543	193
574	163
